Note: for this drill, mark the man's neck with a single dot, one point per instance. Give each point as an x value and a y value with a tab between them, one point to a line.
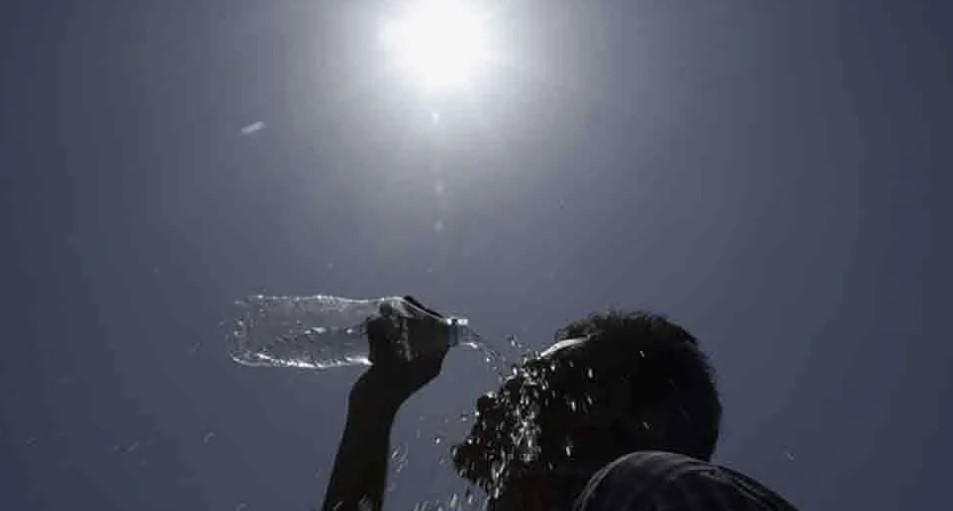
543	490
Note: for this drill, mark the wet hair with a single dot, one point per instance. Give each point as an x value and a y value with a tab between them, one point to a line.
668	378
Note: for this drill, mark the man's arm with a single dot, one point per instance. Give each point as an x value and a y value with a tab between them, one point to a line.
360	467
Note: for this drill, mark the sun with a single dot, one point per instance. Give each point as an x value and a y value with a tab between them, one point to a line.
441	44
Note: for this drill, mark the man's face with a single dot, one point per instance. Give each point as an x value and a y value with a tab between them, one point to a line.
530	423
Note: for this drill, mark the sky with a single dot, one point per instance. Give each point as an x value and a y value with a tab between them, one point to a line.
768	174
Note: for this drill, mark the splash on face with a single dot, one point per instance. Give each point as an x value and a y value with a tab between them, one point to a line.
526	426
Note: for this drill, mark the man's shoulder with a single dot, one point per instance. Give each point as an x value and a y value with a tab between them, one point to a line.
658	480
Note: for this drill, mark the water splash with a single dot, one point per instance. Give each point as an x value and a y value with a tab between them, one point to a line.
568	448
519	448
399	456
491	356
515	343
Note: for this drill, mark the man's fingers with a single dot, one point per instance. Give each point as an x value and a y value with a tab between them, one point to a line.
381	336
376	339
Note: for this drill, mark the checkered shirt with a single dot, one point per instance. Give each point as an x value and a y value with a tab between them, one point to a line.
662	481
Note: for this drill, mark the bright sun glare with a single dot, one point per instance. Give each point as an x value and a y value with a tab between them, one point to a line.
443	44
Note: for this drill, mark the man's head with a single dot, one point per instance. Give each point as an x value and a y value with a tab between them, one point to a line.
613	383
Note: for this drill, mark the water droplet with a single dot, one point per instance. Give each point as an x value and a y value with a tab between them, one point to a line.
646	425
642	353
589	373
463	417
568	448
789	455
438	439
454	500
395	453
426	506
496	469
208	437
399	455
252	128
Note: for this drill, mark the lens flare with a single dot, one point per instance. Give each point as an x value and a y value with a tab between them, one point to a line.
442	44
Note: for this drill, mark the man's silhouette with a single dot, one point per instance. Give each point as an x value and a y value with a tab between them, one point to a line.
621	413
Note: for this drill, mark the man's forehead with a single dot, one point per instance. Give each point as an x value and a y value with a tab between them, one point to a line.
563	346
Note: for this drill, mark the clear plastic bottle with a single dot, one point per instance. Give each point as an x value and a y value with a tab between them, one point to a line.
321	332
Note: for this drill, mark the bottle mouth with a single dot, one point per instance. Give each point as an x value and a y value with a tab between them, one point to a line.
455	321
456	327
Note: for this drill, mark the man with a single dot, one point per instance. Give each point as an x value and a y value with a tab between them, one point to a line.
621	413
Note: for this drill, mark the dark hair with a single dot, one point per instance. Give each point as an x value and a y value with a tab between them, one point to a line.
666	372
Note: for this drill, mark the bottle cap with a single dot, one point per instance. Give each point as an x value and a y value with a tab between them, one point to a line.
455	330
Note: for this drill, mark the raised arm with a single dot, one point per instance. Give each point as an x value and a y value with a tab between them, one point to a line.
360	467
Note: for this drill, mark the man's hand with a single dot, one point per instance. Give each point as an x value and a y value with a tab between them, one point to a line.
392	378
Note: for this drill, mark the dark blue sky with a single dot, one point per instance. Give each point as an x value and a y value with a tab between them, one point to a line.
775	176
